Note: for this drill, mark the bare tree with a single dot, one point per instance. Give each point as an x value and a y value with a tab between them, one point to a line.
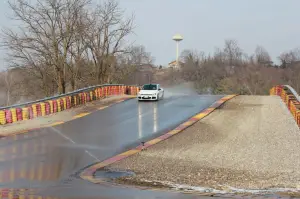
106	38
78	49
8	85
262	56
289	58
129	64
2	90
233	52
138	55
219	56
193	56
45	36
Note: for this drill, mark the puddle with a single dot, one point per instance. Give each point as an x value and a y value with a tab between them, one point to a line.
111	174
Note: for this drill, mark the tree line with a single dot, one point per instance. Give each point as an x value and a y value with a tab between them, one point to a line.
61	46
230	70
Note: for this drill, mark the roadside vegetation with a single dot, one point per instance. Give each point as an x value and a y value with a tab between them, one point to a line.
60	46
229	70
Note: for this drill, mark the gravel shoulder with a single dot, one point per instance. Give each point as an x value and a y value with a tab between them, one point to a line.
63	116
252	142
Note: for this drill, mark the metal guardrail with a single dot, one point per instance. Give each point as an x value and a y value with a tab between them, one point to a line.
58	96
293	92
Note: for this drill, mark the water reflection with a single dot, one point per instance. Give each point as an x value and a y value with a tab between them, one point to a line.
154	114
140	122
155	117
32	160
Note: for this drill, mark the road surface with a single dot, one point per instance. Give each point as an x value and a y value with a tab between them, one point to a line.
49	159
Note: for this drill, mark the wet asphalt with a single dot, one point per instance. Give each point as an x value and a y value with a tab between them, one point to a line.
50	159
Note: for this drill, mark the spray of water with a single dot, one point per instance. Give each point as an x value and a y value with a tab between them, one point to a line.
186	88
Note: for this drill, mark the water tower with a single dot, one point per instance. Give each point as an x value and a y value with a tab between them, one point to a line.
177	38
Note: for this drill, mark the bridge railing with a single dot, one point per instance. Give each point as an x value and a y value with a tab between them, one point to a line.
290	97
50	105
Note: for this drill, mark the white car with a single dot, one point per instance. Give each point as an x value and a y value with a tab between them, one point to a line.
151	92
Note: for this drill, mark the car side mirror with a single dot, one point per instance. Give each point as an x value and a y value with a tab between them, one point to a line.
159	89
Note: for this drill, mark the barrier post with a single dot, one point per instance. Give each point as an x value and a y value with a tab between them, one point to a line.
87	97
91	95
62	105
98	93
19	114
38	109
30	111
8	116
73	101
272	91
291	99
283	93
298	117
114	90
34	110
293	108
95	94
25	114
278	90
77	101
58	105
83	98
2	117
13	115
108	90
131	90
43	108
55	106
118	90
51	107
102	92
64	102
68	102
47	108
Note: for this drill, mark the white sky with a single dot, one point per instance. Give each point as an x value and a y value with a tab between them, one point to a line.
205	24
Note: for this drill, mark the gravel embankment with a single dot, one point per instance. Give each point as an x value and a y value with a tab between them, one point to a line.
64	116
252	142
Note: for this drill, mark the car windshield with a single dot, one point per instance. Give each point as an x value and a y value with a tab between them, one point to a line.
149	87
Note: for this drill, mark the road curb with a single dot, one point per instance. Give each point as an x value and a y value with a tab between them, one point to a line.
88	173
14	134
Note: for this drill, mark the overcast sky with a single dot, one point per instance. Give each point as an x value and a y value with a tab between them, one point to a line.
205	24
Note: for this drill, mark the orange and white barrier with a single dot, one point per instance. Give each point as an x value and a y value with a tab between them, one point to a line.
290	98
2	118
47	107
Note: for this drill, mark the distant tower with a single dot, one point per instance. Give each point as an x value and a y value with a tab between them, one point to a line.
177	38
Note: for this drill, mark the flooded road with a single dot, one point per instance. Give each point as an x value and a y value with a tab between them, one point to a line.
49	159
